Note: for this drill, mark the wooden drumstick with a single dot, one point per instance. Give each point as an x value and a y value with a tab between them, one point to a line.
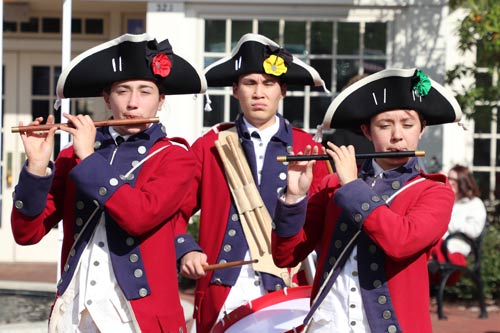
229	264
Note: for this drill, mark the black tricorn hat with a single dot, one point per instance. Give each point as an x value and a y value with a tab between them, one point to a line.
392	89
129	57
255	53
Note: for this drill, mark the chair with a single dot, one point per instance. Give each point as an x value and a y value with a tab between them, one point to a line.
473	270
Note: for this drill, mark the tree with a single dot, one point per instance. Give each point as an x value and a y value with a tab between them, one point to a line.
478	31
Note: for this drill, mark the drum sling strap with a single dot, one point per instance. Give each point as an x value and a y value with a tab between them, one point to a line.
254	216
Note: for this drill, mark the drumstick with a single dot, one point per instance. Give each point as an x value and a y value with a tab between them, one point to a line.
385	154
328	162
229	264
99	123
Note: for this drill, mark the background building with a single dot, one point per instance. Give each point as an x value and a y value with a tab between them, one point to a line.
340	38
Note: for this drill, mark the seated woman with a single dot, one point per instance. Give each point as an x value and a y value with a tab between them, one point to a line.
468	216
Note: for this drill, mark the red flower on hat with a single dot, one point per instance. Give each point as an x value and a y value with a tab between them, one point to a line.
161	65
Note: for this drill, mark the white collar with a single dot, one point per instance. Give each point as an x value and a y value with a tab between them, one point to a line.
267	133
115	134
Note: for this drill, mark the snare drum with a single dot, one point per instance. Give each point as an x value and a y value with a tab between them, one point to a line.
276	312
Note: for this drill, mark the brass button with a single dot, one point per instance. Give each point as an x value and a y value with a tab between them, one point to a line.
282	176
79	221
80	205
141	150
358	217
278	287
218	281
97	144
365	206
382	299
222	261
385	197
103	191
234	217
375	198
19	204
392	329
66	267
134	257
227	248
231	232
395	185
130	241
332	260
180	240
343	226
338	244
377	283
113	182
374	266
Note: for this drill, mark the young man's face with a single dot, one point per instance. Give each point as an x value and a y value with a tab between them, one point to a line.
395	130
133	99
259	96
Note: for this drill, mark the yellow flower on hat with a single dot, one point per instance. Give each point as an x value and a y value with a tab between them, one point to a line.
275	65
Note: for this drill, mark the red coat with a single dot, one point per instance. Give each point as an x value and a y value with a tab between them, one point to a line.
211	193
405	231
142	212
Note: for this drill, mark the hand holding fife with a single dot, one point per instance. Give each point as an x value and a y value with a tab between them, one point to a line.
300	175
345	162
38	146
83	133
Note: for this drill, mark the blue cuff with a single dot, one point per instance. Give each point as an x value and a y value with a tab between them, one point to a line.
357	199
185	243
96	178
289	218
30	194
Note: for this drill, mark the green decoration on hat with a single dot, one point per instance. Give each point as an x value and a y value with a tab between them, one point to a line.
423	86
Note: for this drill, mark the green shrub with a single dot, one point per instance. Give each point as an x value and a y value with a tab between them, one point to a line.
490	268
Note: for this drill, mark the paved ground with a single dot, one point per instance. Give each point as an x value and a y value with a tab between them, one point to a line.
41	277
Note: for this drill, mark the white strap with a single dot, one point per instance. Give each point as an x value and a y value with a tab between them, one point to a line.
144	160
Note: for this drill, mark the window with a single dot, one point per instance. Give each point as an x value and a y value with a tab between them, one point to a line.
53	25
486	160
337	50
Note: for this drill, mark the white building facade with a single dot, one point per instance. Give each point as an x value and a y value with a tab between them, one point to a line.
340	38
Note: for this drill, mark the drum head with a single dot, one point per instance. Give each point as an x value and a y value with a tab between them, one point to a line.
275	312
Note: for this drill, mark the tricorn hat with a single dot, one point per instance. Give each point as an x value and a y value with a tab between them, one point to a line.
392	89
129	57
255	53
